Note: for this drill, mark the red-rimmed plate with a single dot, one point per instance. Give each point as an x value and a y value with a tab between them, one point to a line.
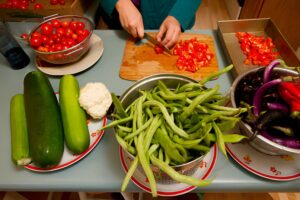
68	157
278	168
204	170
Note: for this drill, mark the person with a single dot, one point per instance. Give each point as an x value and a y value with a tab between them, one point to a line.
171	17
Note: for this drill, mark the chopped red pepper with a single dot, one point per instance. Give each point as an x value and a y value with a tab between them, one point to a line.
258	50
193	54
158	49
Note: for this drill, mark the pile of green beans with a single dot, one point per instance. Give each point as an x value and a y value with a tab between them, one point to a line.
168	127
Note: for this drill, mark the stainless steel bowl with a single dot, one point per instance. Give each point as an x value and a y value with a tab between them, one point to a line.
132	93
259	142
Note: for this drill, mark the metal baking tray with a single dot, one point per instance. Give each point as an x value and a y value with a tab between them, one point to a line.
260	27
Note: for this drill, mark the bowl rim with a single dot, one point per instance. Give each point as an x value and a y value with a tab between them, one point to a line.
233	102
157	77
61	17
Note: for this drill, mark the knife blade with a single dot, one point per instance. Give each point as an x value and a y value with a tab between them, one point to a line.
151	39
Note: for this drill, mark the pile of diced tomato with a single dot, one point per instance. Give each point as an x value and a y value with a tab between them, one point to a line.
258	49
193	54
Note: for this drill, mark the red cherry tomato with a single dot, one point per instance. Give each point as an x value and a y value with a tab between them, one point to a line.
24	36
55	23
86	32
35	41
53	2
46	29
62	2
61	31
80	25
38	6
69	32
36	34
45	39
65	24
73	25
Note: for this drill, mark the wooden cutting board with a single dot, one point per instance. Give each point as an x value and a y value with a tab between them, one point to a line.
140	59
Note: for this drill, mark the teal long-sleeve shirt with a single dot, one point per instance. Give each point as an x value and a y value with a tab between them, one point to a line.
155	11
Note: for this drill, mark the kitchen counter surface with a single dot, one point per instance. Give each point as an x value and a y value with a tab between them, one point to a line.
101	170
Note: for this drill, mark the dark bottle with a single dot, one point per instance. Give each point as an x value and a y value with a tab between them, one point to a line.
11	50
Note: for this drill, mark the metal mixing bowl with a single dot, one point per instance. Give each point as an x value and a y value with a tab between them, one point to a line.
132	93
71	54
259	142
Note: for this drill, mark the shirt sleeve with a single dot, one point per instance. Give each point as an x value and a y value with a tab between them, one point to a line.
184	11
108	6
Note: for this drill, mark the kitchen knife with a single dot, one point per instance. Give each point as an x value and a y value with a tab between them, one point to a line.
151	39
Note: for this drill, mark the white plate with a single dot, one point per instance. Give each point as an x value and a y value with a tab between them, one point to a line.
279	168
204	170
68	158
87	61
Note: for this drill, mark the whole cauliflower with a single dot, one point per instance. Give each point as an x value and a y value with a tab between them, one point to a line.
95	99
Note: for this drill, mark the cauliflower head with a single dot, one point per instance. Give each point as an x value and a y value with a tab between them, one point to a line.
95	99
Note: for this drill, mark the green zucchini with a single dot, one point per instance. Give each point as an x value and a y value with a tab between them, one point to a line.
45	130
18	129
74	118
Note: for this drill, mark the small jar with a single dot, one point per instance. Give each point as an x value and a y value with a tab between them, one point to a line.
11	49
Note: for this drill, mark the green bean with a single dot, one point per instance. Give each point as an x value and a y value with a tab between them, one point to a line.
117	122
160	154
177	176
200	147
199	107
186	142
151	131
139	110
216	74
118	106
125	145
139	130
145	164
230	138
159	99
172	96
198	100
167	158
152	149
124	128
129	173
169	147
167	117
134	119
220	139
182	151
227	124
190	86
203	122
121	133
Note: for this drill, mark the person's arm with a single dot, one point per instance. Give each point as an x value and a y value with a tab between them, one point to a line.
184	11
130	18
180	18
108	6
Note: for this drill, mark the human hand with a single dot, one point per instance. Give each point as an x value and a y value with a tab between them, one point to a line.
130	18
169	32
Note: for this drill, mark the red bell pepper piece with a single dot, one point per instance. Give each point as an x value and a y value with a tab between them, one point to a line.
290	95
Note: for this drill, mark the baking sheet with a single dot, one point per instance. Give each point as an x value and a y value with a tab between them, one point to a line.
260	27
